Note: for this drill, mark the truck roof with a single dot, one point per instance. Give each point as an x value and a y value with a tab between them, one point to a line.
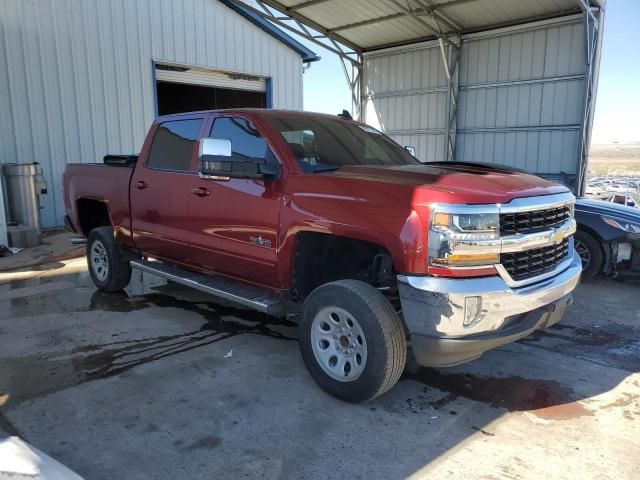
262	112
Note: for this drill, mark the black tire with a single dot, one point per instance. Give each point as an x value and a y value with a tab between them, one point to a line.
591	254
384	336
106	250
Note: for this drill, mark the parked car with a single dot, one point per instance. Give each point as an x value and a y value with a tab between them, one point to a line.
621	199
608	237
329	222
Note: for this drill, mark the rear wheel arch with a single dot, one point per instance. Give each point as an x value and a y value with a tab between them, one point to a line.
92	213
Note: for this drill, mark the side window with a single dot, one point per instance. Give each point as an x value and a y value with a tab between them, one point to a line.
173	143
246	141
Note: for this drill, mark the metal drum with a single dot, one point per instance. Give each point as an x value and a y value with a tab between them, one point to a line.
22	193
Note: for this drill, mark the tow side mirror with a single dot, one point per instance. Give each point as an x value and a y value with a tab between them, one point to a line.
218	162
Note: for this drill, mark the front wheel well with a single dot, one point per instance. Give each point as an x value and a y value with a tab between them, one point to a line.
604	245
321	258
92	214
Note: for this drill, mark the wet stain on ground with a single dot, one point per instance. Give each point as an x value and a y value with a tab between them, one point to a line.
614	346
209	442
593	337
34	376
546	399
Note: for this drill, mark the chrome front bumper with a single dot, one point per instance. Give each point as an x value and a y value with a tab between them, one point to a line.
435	310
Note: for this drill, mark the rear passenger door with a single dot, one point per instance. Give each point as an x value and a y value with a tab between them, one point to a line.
161	188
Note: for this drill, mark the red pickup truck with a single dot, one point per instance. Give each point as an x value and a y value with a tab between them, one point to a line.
330	222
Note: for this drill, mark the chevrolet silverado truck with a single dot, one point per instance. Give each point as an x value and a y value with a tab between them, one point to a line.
329	222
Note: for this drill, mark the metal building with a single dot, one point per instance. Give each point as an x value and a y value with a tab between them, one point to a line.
501	81
82	78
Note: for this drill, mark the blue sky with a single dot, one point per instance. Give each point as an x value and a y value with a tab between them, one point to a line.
617	114
618	101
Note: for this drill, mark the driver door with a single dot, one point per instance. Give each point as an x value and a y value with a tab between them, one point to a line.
234	223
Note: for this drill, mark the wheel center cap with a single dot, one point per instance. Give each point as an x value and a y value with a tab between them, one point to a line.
344	341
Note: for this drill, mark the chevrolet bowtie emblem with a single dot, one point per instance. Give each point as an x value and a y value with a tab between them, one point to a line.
557	236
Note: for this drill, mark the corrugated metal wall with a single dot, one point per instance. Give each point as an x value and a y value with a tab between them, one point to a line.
406	95
76	76
521	96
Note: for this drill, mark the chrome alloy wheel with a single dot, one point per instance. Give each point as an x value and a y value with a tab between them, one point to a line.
583	253
339	344
99	261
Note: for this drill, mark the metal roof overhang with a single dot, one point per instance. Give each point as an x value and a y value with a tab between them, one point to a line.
366	25
352	28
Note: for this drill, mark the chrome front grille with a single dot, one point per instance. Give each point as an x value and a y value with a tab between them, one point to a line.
533	221
534	262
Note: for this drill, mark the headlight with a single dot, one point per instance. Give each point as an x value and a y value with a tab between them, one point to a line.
467	225
452	237
622	225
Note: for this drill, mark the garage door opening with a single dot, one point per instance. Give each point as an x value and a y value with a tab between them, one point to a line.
187	89
178	98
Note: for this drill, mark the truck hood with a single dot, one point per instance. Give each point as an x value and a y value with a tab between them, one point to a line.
456	182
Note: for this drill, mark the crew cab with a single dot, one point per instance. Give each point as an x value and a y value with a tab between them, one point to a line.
329	222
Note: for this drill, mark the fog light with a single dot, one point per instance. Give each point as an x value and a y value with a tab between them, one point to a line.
473	312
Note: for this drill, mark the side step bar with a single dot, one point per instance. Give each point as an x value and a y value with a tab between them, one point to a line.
245	295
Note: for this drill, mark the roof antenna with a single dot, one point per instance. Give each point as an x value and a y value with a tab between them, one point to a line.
346	115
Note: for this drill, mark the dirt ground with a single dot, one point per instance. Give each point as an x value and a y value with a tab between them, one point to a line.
615	158
160	382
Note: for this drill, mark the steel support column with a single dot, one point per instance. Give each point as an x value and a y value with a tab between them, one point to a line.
593	26
451	62
353	76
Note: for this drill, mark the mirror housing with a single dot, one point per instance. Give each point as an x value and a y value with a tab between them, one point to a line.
217	161
410	149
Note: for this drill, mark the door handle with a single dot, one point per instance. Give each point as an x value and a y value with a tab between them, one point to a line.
141	185
200	192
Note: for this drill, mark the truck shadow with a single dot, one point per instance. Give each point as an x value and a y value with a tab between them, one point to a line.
551	376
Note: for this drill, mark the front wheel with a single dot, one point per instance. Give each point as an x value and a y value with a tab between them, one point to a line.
352	341
108	269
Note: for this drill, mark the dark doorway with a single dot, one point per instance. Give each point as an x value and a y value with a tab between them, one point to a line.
180	97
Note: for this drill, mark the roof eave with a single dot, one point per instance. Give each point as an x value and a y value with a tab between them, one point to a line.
307	55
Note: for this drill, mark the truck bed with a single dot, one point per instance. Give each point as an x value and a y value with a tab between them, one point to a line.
98	181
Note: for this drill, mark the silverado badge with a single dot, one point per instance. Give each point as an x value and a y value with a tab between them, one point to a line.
260	242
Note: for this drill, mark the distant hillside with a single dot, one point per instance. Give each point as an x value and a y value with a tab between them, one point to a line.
615	158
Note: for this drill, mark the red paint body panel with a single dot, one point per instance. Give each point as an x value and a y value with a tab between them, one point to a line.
104	183
247	228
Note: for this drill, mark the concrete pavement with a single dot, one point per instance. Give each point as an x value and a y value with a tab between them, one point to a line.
160	382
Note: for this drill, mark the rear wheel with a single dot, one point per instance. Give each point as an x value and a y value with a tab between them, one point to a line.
590	251
352	341
108	268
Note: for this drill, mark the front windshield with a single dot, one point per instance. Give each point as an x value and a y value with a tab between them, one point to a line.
322	143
